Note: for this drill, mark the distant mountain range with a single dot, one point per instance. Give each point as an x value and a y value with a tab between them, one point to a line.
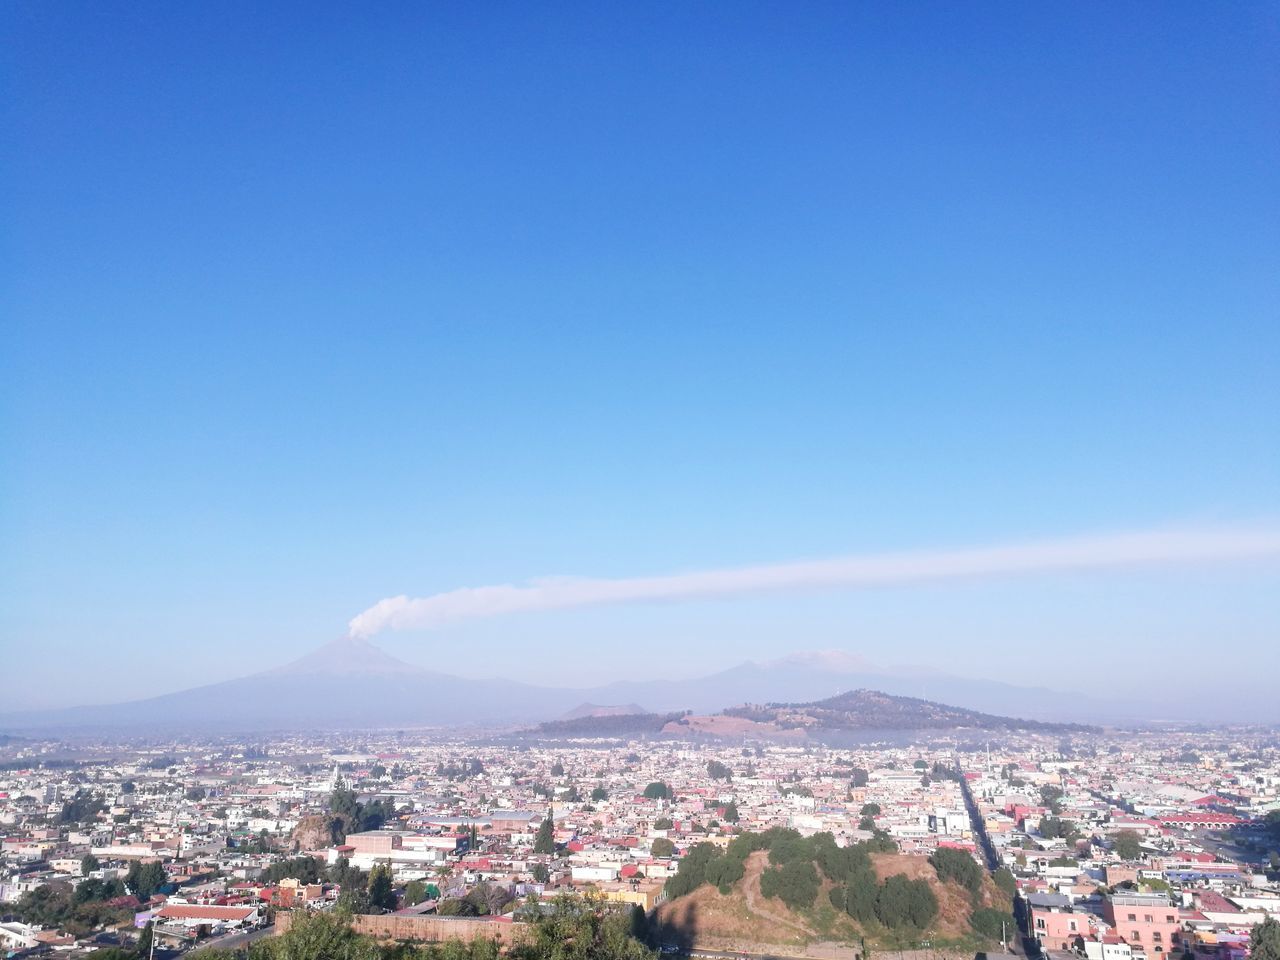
853	712
354	684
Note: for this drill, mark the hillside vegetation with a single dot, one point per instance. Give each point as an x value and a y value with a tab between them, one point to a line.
807	889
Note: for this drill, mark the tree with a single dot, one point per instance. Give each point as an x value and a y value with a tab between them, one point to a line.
958	866
1005	881
196	794
415	892
599	794
992	924
541	873
905	903
88	864
557	769
860	896
345	875
657	791
317	936
382	894
343	804
795	883
581	928
663	823
718	771
1264	942
1128	845
545	842
870	810
662	848
145	940
859	777
731	814
81	807
143	880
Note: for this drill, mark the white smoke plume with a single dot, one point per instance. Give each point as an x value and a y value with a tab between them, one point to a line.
1146	548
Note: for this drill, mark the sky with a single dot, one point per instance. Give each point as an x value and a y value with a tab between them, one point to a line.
306	306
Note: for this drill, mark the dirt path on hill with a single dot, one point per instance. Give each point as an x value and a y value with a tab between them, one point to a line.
756	900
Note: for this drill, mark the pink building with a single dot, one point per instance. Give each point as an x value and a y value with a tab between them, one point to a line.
1147	921
1055	923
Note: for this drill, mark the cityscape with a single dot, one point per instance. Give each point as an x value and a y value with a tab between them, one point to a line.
664	480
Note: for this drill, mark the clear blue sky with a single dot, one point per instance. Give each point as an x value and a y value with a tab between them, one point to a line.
307	305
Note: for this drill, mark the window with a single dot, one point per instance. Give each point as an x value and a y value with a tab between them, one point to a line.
1039	923
1169	919
1157	937
1146	918
1137	936
1133	916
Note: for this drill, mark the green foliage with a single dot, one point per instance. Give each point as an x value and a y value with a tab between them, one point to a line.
88	864
343	803
145	940
96	891
906	903
303	869
795	883
1128	845
345	875
731	814
82	807
988	922
145	879
657	791
196	794
718	771
317	936
1051	828
599	794
958	867
858	777
1051	797
415	892
545	842
557	769
662	847
860	896
1006	882
692	872
870	810
382	894
541	873
1264	942
57	906
351	816
113	953
663	823
583	929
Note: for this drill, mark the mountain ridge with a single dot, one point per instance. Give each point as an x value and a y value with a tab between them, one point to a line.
349	683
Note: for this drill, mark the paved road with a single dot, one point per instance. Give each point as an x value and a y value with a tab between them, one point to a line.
236	941
1020	941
